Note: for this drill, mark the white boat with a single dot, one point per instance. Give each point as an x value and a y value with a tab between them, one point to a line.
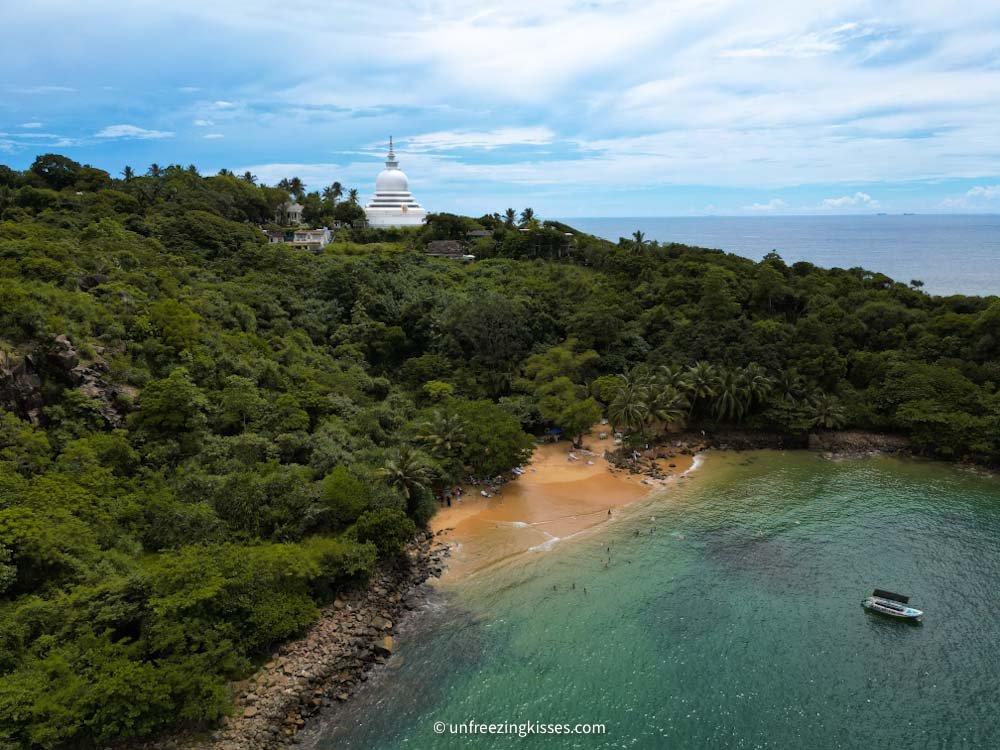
893	605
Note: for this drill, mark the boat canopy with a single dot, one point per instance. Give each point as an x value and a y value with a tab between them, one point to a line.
889	595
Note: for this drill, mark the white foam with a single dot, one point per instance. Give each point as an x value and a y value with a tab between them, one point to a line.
699	459
547	544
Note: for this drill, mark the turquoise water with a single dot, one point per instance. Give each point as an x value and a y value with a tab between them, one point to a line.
729	617
950	254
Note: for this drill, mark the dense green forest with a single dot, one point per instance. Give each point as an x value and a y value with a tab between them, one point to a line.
204	436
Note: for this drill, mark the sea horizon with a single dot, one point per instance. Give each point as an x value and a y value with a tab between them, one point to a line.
948	253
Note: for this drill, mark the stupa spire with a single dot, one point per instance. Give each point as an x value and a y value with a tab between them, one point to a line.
391	162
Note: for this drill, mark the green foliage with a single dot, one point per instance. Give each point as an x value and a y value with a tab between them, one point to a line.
345	496
238	430
388	528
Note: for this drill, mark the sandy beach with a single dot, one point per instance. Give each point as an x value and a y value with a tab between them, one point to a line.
555	499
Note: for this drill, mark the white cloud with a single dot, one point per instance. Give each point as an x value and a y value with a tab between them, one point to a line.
203	123
812	44
775	204
978	198
213	136
132	131
31	124
189	89
444	140
40	89
859	199
223	104
986	192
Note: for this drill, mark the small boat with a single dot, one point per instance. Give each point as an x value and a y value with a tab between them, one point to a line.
894	605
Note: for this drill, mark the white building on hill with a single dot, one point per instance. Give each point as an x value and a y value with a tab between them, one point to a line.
393	204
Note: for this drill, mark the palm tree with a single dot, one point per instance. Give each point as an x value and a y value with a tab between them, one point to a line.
674	375
225	172
444	434
527	216
789	385
702	380
629	407
667	404
758	383
408	472
827	411
296	187
352	196
509	218
638	240
128	174
249	177
155	171
732	396
333	193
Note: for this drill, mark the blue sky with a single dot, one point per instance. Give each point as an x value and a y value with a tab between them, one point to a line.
600	108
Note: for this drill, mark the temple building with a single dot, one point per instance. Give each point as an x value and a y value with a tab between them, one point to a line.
393	204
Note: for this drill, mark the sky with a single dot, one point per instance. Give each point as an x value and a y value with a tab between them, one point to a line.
594	108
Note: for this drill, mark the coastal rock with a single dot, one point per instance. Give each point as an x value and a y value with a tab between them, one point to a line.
320	669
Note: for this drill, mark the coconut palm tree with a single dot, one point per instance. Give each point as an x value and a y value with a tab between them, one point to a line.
127	174
667	405
408	472
155	171
509	218
333	193
674	375
352	196
638	240
702	380
758	383
296	187
443	433
788	385
731	395
250	177
629	407
527	216
827	411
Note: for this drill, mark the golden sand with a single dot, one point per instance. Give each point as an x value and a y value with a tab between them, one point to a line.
556	498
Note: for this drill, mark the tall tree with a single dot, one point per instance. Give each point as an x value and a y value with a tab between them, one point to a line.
638	240
510	218
409	473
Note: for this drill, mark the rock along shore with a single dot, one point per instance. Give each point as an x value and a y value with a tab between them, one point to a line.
326	664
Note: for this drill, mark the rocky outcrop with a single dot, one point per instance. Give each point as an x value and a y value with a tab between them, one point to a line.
22	377
327	664
857	443
20	385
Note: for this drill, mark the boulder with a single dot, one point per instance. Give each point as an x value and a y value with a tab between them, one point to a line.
384	646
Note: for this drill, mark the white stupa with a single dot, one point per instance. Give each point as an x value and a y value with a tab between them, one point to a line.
393	204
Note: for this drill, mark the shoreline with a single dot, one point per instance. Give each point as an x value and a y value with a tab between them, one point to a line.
561	493
323	667
554	499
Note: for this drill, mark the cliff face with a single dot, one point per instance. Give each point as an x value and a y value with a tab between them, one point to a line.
26	377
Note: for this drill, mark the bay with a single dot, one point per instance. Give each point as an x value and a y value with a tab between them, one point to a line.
730	616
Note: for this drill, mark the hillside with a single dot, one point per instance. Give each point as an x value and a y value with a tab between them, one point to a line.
203	436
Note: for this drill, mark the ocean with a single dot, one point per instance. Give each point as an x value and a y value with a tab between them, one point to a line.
729	617
957	254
